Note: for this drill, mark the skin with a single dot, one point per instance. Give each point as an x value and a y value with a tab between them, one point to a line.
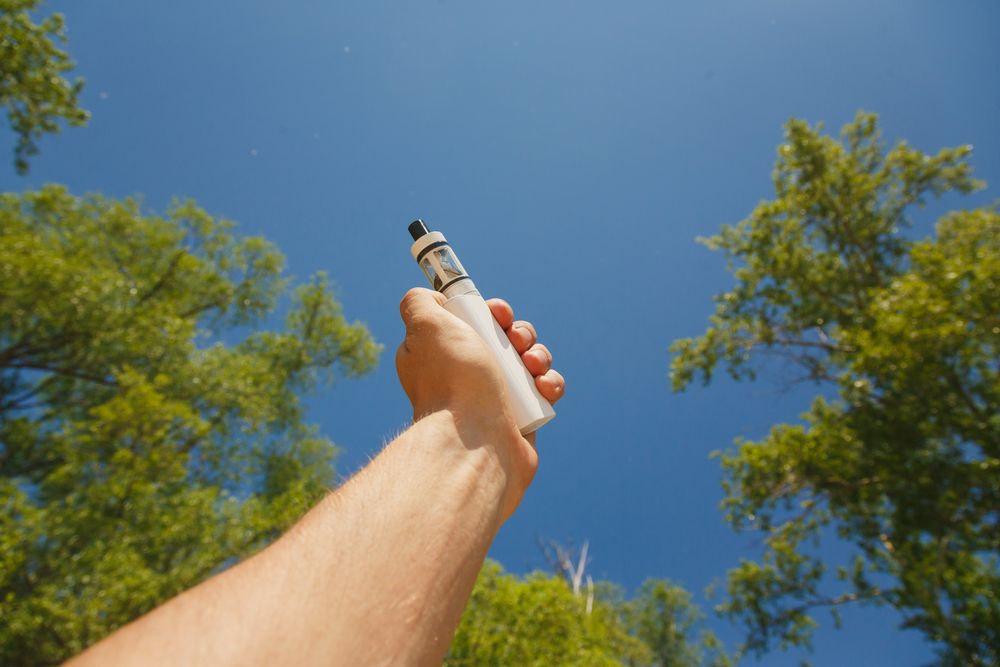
379	571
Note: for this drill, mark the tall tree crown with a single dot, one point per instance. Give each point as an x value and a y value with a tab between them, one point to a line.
899	456
151	431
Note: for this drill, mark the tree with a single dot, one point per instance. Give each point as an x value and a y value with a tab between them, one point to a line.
539	621
551	619
32	86
151	432
899	455
664	618
661	616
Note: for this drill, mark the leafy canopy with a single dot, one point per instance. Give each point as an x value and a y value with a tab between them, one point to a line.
538	620
899	455
32	86
663	616
150	431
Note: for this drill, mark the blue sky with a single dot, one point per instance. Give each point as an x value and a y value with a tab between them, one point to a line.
572	152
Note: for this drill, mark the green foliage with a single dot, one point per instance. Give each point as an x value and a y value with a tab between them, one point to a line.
150	432
32	86
900	454
537	620
665	619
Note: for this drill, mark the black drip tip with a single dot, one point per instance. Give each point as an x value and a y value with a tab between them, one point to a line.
417	229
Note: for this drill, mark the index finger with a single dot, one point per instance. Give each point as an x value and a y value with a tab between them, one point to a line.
502	312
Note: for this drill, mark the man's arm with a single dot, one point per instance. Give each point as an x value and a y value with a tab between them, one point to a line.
378	573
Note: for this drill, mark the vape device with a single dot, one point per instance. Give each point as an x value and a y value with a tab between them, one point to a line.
446	275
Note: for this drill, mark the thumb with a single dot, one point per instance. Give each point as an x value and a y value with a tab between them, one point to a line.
420	305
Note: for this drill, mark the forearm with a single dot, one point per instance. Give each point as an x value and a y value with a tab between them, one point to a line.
377	573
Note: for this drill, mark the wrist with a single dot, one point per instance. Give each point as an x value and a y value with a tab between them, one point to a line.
489	446
488	443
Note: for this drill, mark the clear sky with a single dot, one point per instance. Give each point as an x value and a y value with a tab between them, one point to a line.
572	152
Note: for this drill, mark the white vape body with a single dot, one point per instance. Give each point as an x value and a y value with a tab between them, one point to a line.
446	275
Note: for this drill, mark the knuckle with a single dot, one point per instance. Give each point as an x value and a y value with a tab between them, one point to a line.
408	301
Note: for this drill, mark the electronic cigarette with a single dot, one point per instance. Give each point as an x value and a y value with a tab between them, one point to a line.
447	275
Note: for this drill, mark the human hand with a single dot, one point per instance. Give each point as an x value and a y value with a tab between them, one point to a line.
444	365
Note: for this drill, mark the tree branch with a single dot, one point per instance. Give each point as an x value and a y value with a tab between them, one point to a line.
66	372
164	277
845	598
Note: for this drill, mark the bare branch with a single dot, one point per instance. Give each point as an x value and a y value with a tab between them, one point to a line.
561	560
